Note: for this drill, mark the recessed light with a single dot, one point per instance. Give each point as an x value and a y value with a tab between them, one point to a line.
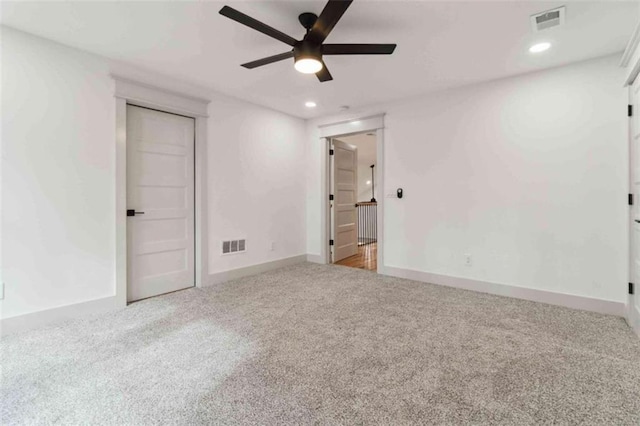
310	104
540	47
368	182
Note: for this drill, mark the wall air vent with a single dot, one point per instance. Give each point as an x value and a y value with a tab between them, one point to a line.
548	19
234	246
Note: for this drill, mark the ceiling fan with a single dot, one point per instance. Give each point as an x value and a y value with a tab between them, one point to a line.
308	52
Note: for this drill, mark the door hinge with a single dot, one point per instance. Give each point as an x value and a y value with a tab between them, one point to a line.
630	110
330	197
630	199
330	152
330	242
631	288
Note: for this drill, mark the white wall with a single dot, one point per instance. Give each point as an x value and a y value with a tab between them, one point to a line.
58	133
256	183
526	174
58	175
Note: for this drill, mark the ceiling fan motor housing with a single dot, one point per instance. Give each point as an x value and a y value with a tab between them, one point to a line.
307	20
304	49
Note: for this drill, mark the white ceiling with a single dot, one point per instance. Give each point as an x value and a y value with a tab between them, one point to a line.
440	44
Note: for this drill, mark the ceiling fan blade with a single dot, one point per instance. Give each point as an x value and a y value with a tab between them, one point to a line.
268	60
328	19
358	49
256	25
324	74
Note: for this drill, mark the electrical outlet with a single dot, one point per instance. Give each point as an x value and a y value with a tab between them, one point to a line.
467	259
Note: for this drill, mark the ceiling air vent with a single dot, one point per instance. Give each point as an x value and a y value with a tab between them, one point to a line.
548	19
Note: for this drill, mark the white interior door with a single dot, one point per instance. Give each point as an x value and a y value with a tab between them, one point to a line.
634	136
160	188
345	190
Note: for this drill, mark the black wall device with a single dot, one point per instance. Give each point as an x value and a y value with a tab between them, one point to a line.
399	192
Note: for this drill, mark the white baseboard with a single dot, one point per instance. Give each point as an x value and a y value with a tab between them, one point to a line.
221	277
55	315
314	258
78	310
560	299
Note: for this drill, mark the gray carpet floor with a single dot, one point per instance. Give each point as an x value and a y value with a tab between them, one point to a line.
317	344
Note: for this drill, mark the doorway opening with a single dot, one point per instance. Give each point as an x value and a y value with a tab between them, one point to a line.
353	201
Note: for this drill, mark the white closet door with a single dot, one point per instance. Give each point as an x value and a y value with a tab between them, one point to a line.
160	189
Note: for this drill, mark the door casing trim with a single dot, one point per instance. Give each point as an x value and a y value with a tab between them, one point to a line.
141	94
632	314
370	123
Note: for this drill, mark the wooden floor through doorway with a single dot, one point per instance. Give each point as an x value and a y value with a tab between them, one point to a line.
367	258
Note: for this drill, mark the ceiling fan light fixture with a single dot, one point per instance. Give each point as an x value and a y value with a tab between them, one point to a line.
308	65
307	57
307	53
